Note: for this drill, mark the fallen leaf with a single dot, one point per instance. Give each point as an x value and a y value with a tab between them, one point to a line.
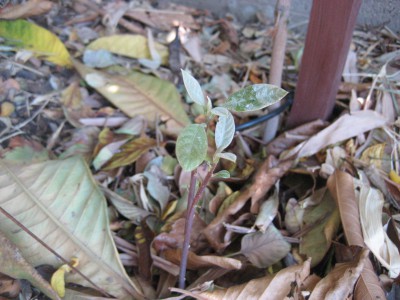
338	131
341	186
25	10
375	237
161	19
14	265
339	283
264	288
268	210
125	207
269	172
69	214
138	94
135	46
58	278
130	152
22	34
323	221
263	249
196	262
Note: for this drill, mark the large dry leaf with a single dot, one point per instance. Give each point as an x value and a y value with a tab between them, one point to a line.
359	122
339	283
341	186
263	249
375	237
14	265
138	94
61	204
265	288
267	175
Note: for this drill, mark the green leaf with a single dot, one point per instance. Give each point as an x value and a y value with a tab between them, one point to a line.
225	128
130	45
60	203
130	152
226	155
25	35
193	88
138	94
222	174
254	97
191	146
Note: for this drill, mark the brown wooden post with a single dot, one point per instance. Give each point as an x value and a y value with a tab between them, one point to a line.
327	44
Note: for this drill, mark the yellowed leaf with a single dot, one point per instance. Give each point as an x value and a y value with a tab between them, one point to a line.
130	45
22	34
58	278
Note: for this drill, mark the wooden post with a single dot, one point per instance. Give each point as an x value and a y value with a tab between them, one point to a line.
327	43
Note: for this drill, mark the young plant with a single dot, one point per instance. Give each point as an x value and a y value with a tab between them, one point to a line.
192	145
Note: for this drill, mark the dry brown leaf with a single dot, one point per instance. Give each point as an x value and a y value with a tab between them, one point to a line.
161	19
338	131
265	288
341	186
28	9
173	234
268	173
196	262
339	283
292	137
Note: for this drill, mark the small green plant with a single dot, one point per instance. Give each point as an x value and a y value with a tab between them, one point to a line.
192	145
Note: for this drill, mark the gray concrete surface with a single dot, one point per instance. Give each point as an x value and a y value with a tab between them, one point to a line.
372	12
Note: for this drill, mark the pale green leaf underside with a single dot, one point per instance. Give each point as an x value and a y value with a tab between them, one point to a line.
254	97
61	204
191	146
224	131
226	155
222	174
139	94
193	88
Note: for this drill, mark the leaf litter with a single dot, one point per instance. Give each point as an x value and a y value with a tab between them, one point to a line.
311	215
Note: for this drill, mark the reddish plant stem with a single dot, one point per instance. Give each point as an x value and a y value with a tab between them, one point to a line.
192	202
19	224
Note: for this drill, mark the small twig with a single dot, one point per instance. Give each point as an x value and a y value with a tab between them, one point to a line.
19	224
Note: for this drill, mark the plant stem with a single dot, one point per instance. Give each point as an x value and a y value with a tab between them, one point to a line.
192	201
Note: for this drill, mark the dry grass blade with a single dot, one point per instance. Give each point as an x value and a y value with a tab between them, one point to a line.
341	186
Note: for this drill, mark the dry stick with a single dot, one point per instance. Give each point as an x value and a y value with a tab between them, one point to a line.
192	201
277	61
3	211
